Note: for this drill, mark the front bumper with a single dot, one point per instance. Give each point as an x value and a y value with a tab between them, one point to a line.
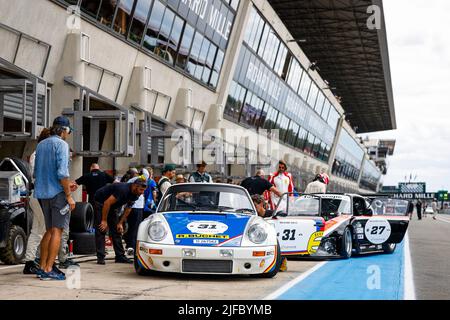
171	259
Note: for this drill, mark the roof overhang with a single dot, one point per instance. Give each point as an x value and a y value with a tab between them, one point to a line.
351	57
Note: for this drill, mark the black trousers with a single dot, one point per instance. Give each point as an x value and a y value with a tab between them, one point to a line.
134	220
112	220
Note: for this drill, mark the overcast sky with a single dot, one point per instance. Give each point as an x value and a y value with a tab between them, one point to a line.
419	46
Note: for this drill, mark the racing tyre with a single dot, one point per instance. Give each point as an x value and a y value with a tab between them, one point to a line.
24	167
82	217
346	246
16	246
272	273
389	248
83	242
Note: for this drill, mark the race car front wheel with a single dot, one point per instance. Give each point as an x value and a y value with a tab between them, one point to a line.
389	248
346	246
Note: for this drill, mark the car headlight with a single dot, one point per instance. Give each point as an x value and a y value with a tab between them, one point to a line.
257	233
157	231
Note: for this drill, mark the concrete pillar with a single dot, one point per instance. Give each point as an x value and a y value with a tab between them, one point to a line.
337	135
63	96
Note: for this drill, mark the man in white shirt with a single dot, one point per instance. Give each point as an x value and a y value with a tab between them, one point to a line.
318	185
282	180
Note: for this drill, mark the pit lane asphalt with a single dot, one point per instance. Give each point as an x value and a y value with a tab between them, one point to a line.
430	255
119	281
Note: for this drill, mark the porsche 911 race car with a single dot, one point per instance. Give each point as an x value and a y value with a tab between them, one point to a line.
207	229
335	225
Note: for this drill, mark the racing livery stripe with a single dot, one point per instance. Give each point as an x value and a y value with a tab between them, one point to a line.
333	224
140	260
272	265
227	241
294	253
386	217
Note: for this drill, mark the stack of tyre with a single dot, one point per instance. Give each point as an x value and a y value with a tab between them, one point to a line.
82	229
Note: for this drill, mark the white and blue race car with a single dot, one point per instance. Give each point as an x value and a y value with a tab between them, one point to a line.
207	229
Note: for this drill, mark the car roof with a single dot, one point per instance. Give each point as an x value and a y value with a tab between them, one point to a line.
215	185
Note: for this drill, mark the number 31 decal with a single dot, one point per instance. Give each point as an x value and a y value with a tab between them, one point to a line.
288	235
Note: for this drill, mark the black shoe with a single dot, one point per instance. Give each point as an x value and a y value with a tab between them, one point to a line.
56	270
123	260
31	267
101	261
68	263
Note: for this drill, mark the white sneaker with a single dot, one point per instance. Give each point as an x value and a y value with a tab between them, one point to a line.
130	252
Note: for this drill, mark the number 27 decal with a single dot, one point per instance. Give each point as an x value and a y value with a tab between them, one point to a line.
377	230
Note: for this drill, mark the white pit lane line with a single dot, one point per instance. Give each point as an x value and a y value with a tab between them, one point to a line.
443	219
409	288
294	281
4	267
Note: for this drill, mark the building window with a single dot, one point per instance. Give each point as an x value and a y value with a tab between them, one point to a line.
163	37
123	16
235	100
139	20
106	12
90	7
195	52
153	26
183	52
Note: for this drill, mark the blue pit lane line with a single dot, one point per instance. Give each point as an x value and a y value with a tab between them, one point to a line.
354	279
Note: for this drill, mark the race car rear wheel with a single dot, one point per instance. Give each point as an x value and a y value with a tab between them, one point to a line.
389	248
272	273
346	246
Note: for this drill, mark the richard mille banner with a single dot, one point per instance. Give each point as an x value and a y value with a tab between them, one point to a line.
213	17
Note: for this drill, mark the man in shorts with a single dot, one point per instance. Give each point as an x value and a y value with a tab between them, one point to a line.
53	190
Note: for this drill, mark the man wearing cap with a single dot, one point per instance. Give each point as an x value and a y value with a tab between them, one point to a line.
108	202
53	189
201	176
282	180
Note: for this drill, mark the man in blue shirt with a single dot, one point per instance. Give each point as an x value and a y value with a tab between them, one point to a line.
53	190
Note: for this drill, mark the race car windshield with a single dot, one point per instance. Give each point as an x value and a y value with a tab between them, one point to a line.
220	200
299	206
335	205
389	207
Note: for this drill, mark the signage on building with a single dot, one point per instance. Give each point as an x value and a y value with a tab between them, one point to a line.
442	195
389	189
412	187
218	17
414	196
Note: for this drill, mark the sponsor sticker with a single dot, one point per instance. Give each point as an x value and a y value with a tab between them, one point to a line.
205	241
201	236
314	242
377	230
207	227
